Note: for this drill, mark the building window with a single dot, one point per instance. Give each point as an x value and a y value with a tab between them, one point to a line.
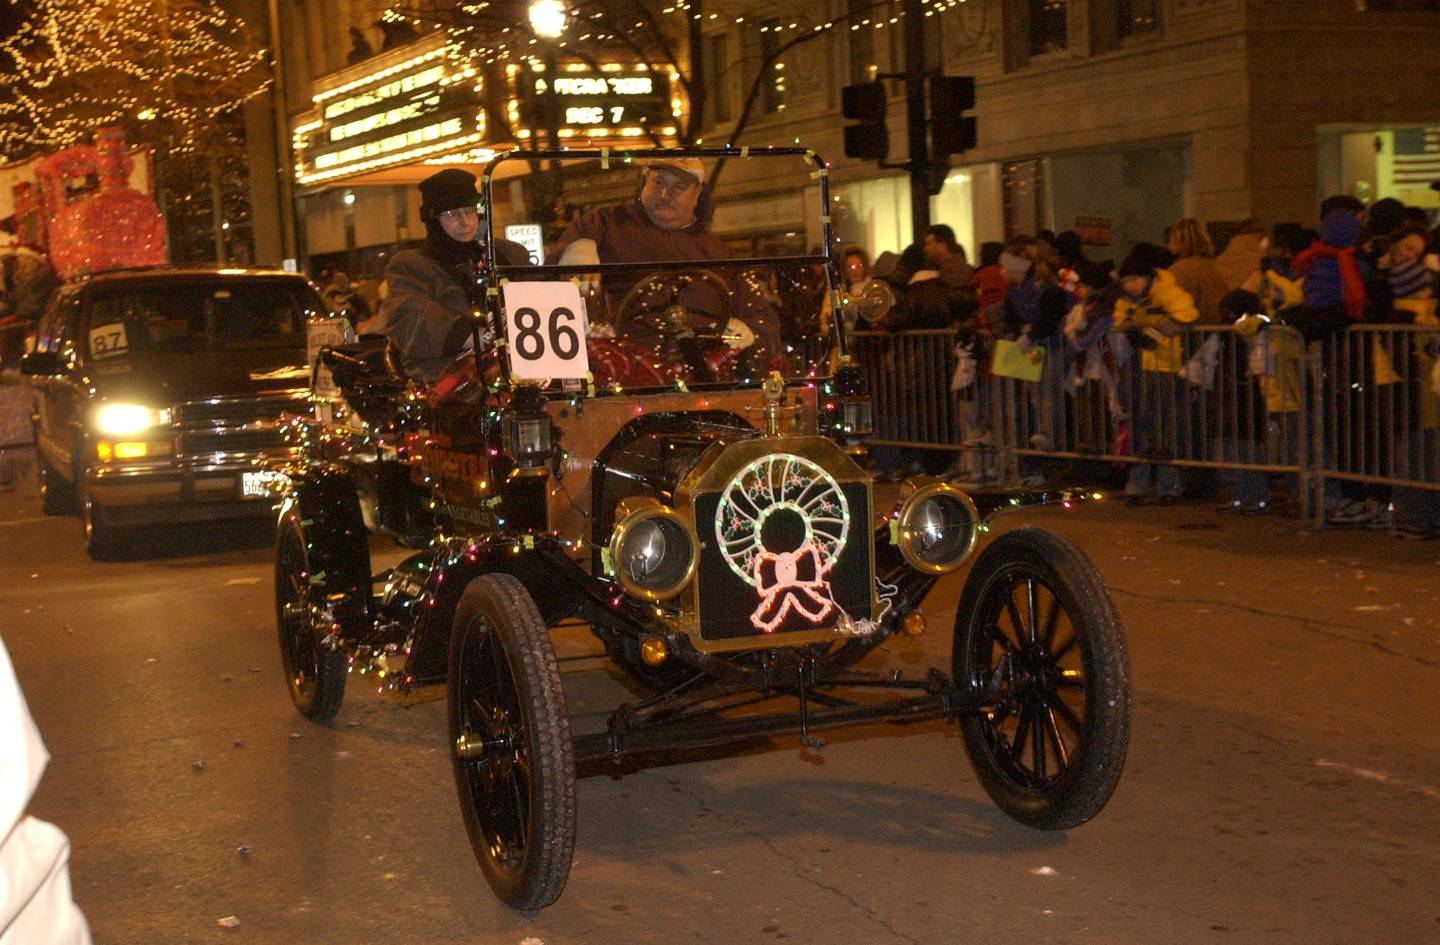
717	63
1023	184
1137	17
862	41
772	91
1049	26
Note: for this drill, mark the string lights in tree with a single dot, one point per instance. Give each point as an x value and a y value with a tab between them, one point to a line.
486	34
166	70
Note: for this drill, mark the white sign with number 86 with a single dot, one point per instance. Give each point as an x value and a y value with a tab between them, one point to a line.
545	329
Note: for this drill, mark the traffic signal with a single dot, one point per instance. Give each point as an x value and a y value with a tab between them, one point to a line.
865	103
951	130
935	176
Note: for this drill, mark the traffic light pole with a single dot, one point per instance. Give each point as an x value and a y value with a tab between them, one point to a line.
919	157
947	130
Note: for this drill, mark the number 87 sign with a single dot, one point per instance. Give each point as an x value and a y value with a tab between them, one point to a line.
545	330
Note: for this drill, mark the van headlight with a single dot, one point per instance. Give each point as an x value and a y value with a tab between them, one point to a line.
653	550
937	526
128	419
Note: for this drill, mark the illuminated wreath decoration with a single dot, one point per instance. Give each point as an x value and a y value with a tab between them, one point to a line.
794	581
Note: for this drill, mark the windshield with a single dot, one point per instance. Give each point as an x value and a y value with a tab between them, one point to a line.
703	266
209	316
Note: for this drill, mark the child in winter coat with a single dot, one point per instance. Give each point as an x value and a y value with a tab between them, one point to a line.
1334	286
1153	305
1152	308
1095	358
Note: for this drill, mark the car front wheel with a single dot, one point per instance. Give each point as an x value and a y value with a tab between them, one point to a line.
1037	635
510	743
102	539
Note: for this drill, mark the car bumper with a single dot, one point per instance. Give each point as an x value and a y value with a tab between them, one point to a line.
129	495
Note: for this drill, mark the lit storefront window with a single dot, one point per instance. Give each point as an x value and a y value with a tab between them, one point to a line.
1386	161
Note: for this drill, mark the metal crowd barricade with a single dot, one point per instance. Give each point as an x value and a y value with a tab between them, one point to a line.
1377	408
909	373
1209	398
1362	406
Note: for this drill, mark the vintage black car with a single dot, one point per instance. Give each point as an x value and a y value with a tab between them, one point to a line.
159	393
719	537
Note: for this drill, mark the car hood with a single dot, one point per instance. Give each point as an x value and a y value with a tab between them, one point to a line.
163	379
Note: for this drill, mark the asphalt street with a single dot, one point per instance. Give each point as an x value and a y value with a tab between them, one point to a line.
1283	781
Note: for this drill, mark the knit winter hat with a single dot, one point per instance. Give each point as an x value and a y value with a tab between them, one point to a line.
1138	263
1383	217
449	189
1068	245
1291	238
1340	229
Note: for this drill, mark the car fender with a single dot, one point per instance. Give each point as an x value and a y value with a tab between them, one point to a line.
323	500
557	584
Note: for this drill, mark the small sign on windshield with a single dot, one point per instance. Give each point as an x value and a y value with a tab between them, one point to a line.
108	340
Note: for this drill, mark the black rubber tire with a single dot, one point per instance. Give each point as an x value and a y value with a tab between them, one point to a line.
315	674
103	541
1071	690
518	798
57	497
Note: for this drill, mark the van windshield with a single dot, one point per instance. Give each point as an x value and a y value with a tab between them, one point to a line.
190	317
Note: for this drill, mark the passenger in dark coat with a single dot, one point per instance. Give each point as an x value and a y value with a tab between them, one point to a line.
427	312
922	299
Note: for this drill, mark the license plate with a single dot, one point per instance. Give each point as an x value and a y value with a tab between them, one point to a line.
260	484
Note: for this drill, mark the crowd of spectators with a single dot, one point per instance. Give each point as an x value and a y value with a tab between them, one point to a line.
1364	265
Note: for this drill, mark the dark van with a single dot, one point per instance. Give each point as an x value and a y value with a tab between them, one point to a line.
159	395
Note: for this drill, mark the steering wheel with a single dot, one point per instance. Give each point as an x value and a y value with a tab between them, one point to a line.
654	305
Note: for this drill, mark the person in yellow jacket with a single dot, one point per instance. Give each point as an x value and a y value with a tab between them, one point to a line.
1152	309
1153	305
1276	355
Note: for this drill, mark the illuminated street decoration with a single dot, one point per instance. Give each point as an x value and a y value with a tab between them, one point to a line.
789	562
112	226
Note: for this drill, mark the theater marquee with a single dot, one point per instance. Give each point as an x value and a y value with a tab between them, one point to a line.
615	101
391	111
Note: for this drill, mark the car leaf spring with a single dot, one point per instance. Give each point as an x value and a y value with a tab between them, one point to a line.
805	677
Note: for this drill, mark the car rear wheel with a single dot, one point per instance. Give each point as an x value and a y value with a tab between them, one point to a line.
1037	633
314	670
510	738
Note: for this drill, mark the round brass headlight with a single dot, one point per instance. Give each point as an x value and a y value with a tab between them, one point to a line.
937	528
653	549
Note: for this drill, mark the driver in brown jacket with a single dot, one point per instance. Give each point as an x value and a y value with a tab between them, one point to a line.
666	222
